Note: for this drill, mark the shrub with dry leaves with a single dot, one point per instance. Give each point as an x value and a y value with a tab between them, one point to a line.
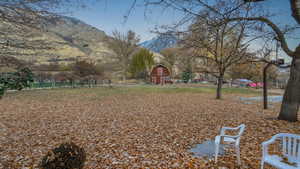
66	156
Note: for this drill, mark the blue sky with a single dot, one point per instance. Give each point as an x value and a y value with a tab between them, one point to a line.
108	15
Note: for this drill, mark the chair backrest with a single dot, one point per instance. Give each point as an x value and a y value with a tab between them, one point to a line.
290	146
241	130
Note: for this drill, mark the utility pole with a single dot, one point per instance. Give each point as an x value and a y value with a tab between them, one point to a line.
277	62
265	88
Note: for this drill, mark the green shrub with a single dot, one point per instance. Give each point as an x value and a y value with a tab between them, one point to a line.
2	91
15	80
186	76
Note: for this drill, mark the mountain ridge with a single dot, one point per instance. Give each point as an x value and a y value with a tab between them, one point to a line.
160	42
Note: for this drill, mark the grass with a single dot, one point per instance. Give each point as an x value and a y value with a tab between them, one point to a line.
60	93
174	89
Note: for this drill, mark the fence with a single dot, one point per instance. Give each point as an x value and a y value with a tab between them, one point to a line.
41	85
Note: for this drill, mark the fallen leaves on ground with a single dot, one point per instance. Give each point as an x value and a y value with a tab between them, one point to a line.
136	130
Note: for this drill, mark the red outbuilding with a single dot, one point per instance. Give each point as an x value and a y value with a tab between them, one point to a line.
160	74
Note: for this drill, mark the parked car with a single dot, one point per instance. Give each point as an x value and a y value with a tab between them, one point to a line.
197	80
251	85
241	82
204	82
258	85
169	81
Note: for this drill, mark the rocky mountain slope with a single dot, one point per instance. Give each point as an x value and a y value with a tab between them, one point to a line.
91	41
63	40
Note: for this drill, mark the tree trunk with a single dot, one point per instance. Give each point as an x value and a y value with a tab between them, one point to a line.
2	92
219	87
291	98
124	75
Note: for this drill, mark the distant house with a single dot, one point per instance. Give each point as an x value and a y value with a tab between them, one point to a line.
282	78
160	74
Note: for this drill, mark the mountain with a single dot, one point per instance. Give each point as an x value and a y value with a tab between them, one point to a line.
61	40
159	43
88	39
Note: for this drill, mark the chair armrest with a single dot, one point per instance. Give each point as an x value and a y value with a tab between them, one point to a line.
223	130
272	140
266	143
224	135
240	127
230	128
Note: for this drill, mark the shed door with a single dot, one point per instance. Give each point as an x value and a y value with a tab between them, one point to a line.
160	71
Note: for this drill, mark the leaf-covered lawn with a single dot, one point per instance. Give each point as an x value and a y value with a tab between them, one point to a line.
129	128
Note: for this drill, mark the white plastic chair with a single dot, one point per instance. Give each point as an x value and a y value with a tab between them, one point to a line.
290	144
230	140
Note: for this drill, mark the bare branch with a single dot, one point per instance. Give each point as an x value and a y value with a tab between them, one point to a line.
275	28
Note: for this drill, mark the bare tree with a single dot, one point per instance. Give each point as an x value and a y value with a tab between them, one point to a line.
124	46
218	46
171	58
291	100
187	60
87	71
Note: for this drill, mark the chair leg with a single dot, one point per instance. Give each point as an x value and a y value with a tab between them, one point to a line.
238	156
262	164
216	152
